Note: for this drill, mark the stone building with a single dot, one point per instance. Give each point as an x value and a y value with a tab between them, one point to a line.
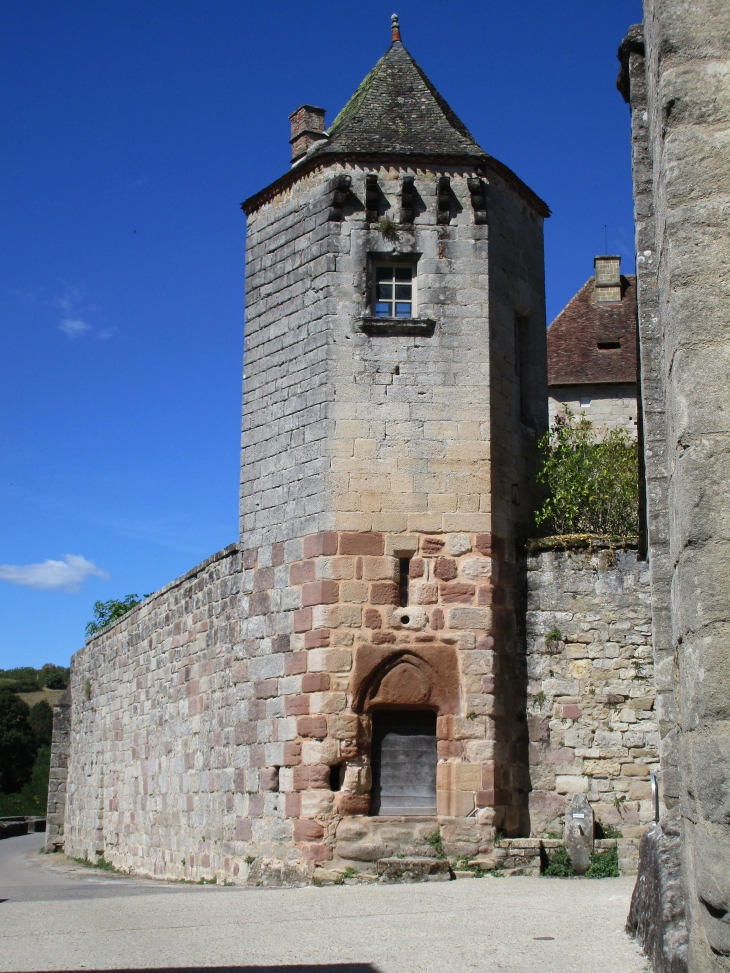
352	678
592	361
674	74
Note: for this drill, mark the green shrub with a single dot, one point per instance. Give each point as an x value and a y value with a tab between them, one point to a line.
17	744
593	483
604	864
436	843
607	831
559	864
32	799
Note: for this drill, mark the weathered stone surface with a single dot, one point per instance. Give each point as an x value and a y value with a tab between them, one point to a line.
409	870
579	833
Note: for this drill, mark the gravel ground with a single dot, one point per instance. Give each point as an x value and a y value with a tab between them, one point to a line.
60	916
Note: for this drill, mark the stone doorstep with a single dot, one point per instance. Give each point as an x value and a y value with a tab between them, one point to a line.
415	869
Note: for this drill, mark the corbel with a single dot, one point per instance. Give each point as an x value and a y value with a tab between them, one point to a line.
406	199
478	199
372	198
443	200
340	189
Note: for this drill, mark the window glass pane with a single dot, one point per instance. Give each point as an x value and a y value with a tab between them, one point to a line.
384	273
402	292
385	292
383	310
403	310
403	273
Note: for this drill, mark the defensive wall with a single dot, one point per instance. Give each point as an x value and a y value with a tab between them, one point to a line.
192	758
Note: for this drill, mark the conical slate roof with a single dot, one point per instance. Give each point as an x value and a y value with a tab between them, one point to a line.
396	110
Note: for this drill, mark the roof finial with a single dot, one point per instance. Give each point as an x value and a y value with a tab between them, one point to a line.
394	28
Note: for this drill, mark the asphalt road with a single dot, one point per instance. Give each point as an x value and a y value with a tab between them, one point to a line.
57	915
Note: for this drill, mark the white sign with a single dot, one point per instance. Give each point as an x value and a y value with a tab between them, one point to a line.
581	815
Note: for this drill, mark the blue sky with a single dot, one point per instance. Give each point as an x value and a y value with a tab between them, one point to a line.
132	132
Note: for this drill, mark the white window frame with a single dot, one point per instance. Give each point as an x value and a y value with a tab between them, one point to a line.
395	265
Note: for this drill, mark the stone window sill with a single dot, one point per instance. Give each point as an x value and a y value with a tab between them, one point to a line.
396	326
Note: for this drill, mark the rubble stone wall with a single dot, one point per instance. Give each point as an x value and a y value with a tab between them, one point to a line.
591	718
608	407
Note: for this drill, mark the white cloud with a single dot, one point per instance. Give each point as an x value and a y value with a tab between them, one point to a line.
65	575
74	327
103	334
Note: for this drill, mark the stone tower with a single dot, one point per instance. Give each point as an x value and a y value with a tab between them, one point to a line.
395	380
347	679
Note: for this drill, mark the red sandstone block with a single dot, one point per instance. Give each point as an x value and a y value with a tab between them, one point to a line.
307	830
243	829
451	593
381	638
424	637
384	593
490	545
490	595
317	853
432	545
362	543
320	593
269	779
488	684
348	803
484	798
292	805
446	749
277	554
416	567
571	712
301	572
296	705
259	603
437	619
239	780
445	568
319	776
315	682
249	558
349	750
292	753
302	619
372	618
266	688
263	579
489	774
295	664
318	638
255	806
312	726
280	643
301	778
445	727
323	543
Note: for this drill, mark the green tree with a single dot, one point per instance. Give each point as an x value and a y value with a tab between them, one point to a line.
593	484
106	612
41	722
17	743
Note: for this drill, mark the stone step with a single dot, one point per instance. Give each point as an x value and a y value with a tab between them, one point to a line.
413	869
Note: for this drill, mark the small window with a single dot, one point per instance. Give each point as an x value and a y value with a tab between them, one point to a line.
585	400
394	292
609	345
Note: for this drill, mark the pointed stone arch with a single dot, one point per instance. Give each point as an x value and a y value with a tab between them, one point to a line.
405	677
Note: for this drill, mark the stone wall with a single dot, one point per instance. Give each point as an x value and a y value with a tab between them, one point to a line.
591	718
608	406
58	777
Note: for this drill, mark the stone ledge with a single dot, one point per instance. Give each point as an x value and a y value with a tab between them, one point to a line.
575	542
396	326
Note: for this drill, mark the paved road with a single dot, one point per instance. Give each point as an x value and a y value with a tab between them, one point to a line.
62	917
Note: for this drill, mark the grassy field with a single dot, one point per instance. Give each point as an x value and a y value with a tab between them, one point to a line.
50	696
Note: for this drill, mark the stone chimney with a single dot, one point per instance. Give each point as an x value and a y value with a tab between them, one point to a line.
608	279
307	127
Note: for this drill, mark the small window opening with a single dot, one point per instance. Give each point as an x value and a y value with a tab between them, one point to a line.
397	370
405	567
394	292
608	345
337	773
585	400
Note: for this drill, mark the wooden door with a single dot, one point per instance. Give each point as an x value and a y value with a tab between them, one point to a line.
404	763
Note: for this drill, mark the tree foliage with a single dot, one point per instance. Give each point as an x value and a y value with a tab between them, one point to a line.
593	484
106	612
26	679
17	744
41	722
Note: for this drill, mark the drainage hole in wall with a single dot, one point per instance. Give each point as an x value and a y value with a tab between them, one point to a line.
405	619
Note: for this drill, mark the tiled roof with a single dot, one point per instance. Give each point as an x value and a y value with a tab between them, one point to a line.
574	338
397	110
